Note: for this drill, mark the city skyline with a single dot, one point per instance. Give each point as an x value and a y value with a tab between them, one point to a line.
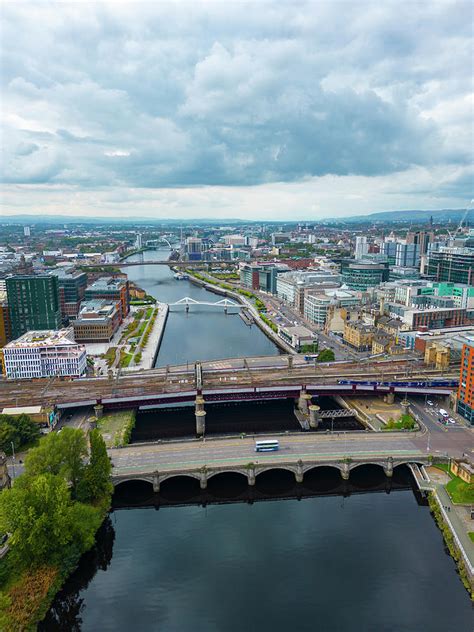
228	110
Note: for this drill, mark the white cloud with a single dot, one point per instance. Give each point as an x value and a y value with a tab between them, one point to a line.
191	108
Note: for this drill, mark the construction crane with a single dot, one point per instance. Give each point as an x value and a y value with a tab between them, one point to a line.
459	228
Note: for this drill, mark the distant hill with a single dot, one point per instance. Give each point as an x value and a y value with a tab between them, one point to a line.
444	215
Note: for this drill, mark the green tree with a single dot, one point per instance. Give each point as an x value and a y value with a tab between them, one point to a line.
59	453
43	521
17	430
326	355
95	483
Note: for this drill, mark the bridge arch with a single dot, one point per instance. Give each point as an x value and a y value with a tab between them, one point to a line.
139	479
274	466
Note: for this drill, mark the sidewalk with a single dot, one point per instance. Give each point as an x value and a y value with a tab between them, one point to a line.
457	526
154	341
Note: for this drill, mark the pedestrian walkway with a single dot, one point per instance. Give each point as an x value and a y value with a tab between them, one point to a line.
458	528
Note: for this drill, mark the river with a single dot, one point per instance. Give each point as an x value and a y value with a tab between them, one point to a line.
310	558
202	334
365	562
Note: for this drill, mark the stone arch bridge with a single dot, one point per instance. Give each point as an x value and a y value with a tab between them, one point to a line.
252	469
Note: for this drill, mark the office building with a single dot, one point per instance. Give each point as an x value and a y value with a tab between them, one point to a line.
317	305
361	275
465	405
26	231
407	255
194	248
293	286
5	325
44	354
361	247
72	287
97	321
452	264
33	302
111	289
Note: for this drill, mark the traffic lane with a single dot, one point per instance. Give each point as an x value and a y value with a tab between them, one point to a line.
194	454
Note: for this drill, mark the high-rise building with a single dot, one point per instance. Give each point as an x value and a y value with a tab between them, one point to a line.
452	264
139	241
26	231
194	248
407	255
72	287
361	247
465	404
5	325
33	302
360	275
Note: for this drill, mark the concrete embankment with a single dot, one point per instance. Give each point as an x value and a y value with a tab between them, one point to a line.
153	344
243	300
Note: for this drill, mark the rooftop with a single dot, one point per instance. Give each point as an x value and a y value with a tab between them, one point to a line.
43	338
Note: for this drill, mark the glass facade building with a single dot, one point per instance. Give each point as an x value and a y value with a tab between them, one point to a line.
33	303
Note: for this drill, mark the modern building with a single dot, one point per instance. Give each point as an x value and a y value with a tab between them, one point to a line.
110	289
44	354
361	247
261	276
452	264
234	240
72	287
465	405
361	275
138	241
317	305
33	302
5	325
194	248
293	286
429	317
297	336
407	255
97	321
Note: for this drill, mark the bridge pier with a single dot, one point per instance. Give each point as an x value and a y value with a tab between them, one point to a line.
303	401
251	476
203	480
345	471
200	422
313	415
156	482
200	414
390	398
388	467
299	474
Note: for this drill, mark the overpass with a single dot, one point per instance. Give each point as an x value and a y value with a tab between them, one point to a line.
298	454
237	379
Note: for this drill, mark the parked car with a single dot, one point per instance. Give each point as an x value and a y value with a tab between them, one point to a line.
429	402
451	420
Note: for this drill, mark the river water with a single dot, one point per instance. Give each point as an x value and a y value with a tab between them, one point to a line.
366	562
310	558
204	333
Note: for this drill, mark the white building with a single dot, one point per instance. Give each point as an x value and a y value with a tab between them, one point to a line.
26	231
290	286
316	306
44	354
361	247
234	240
139	241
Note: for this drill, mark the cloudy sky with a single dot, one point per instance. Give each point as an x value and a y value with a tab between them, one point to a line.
261	110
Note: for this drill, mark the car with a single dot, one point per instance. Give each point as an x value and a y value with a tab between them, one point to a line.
451	420
429	402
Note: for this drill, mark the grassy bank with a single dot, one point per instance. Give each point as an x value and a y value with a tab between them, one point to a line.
116	427
450	543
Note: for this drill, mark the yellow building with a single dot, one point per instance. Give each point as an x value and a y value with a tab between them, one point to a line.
437	355
463	469
358	335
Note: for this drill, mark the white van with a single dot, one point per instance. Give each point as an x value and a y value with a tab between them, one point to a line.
443	412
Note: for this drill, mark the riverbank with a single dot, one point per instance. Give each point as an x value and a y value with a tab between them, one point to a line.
243	300
151	341
52	513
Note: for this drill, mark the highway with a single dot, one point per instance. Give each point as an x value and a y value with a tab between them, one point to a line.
232	373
